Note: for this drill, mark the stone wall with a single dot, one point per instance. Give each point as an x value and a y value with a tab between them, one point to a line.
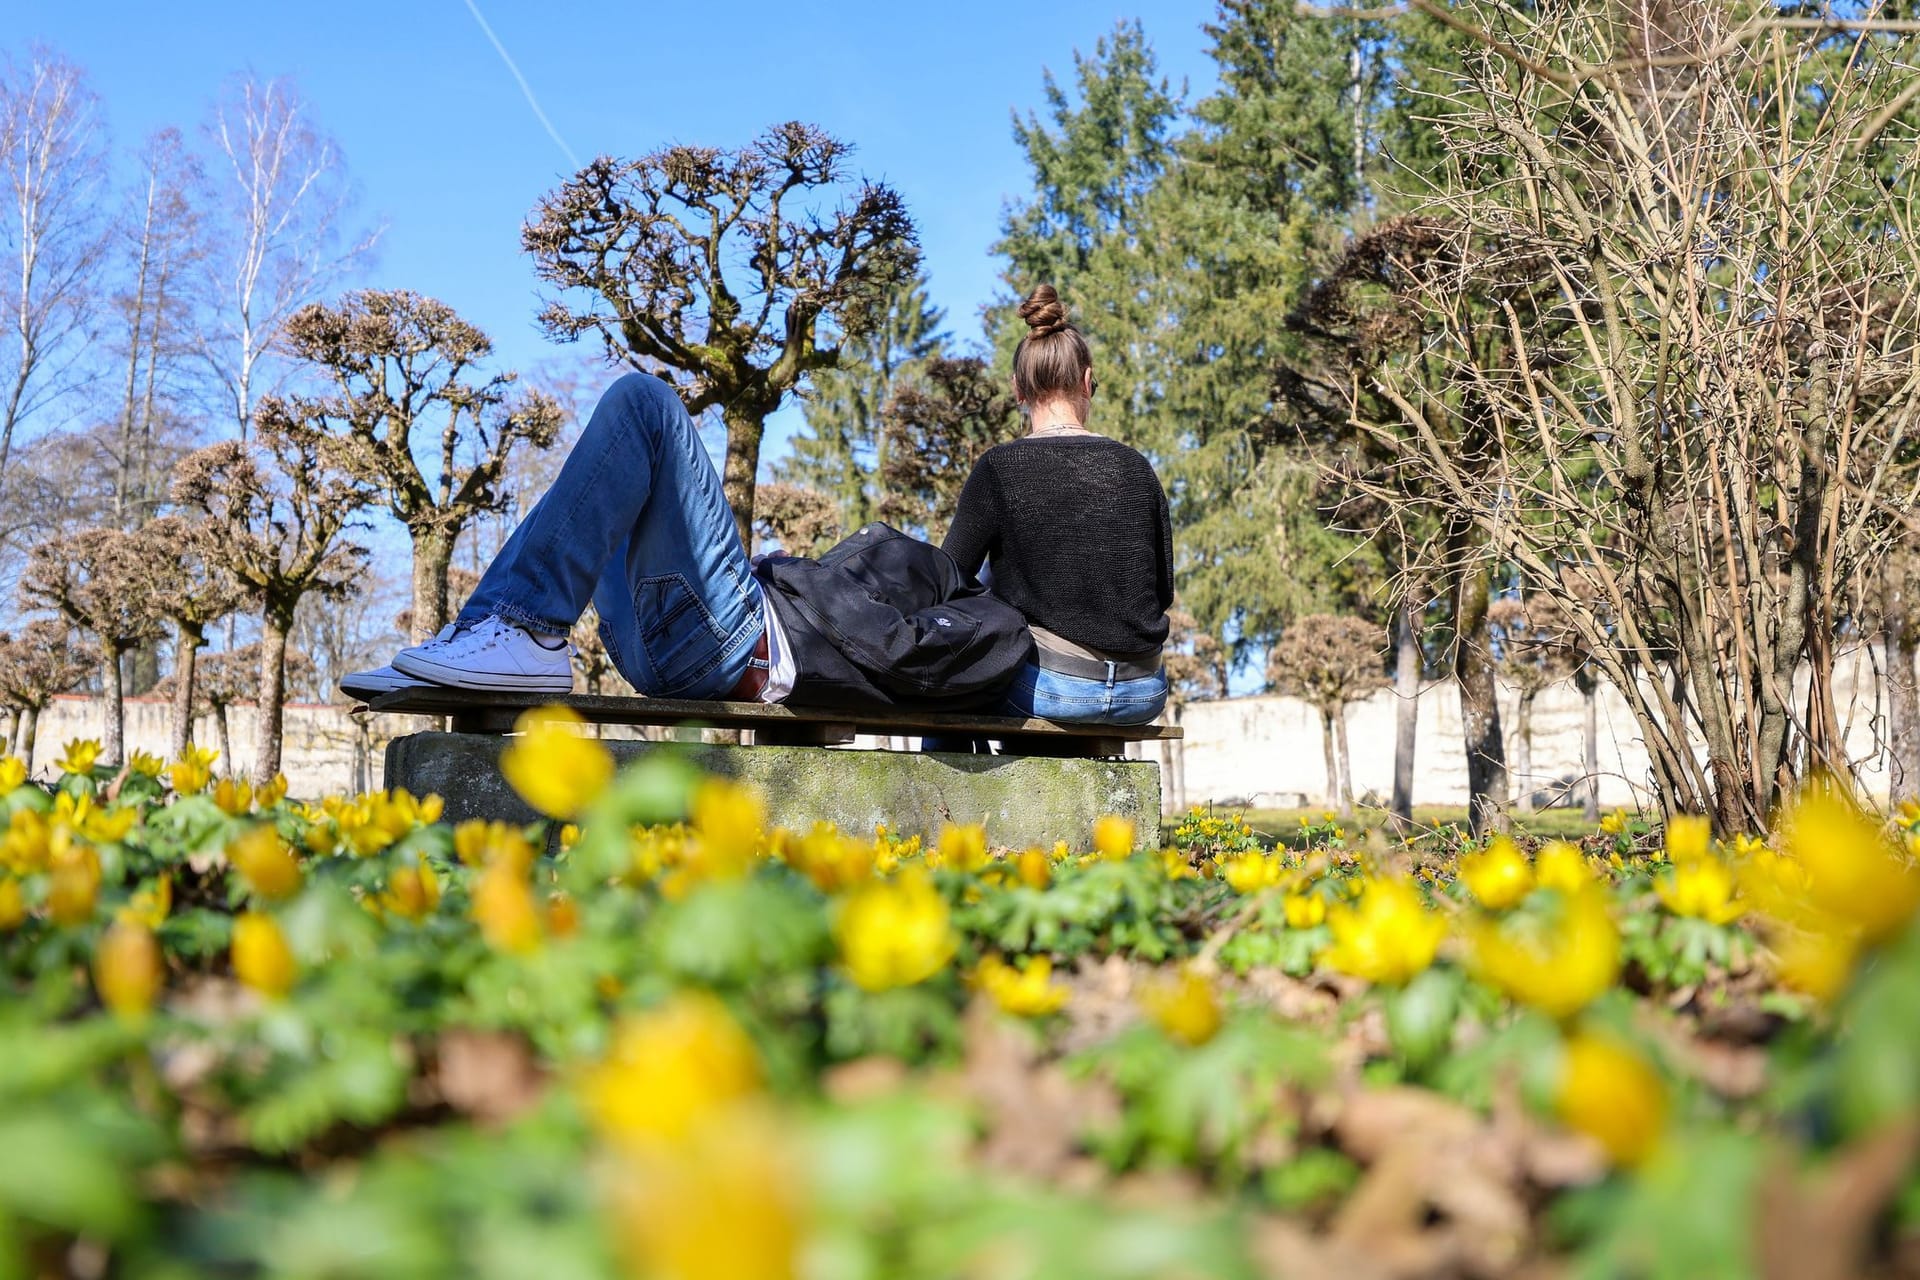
1262	750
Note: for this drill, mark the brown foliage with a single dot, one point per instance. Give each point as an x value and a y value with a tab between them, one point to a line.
799	520
1328	661
935	431
40	662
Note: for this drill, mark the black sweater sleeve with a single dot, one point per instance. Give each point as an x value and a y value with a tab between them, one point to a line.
1166	554
975	530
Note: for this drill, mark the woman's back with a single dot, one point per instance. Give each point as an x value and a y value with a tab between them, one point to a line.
1074	527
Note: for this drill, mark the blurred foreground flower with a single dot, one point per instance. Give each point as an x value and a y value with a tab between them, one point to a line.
670	1069
127	969
1854	873
1498	876
1253	872
504	908
1388	938
1025	992
13	772
412	892
894	933
1613	1095
1113	837
725	1204
261	957
265	863
555	768
1556	962
1702	887
730	820
1184	1006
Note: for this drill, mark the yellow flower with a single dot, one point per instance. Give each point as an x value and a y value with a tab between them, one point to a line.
554	767
82	754
74	886
894	933
725	1204
1026	992
261	957
1701	887
480	843
1253	872
962	847
1113	837
145	764
265	863
81	815
1688	836
1557	965
127	969
269	794
13	904
1853	872
1184	1007
412	892
1615	823
563	915
1033	869
13	772
669	1070
1610	1093
1561	867
569	835
28	844
1817	963
192	772
149	906
1304	910
1498	875
1388	938
234	796
504	908
729	819
832	861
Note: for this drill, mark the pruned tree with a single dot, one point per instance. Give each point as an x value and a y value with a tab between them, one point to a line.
1532	653
93	579
1638	320
733	274
53	169
798	520
403	379
280	511
280	200
1196	667
225	679
39	663
936	429
461	584
180	571
1329	661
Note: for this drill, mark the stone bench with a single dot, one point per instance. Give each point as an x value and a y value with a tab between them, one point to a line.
1051	781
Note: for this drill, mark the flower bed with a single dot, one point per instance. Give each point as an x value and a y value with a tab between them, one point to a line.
248	1036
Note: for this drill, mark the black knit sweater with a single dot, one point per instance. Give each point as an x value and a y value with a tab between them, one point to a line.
1075	530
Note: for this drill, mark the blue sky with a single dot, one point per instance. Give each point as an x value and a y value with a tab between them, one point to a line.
446	151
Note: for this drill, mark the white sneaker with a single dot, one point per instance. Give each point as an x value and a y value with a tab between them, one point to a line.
368	685
491	654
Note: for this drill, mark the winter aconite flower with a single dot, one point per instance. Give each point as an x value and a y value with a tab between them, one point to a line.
962	846
1025	992
1854	874
554	767
1561	866
894	933
191	773
1033	869
725	1204
145	764
234	797
261	957
1304	910
730	820
1113	837
74	886
13	772
265	864
13	904
412	892
1688	837
1388	937
150	904
1610	1093
1701	887
1253	872
504	908
81	755
670	1069
1184	1007
127	969
1556	962
1498	876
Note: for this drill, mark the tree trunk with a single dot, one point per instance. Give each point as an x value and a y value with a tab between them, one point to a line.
1176	771
1406	714
1331	750
745	425
1345	760
1479	704
186	663
113	748
1589	684
29	733
1523	752
1903	689
226	735
12	730
274	625
432	554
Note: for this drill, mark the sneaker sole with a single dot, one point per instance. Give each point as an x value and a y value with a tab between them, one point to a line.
456	678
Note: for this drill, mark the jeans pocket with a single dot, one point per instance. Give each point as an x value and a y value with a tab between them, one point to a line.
680	635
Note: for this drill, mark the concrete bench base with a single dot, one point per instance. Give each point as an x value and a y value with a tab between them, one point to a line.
1024	800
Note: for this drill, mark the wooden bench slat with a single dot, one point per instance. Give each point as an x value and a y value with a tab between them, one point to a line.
484	710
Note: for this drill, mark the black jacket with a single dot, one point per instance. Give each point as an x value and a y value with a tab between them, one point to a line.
885	620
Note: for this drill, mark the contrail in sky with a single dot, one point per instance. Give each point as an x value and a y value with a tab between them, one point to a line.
525	88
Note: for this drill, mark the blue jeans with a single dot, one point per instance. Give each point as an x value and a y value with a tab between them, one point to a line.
1068	700
637	523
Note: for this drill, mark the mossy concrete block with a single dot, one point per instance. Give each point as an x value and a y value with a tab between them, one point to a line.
1024	800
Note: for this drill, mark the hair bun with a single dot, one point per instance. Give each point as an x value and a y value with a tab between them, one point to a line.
1044	312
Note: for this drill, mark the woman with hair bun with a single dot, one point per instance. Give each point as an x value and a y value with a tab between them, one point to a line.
1072	529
